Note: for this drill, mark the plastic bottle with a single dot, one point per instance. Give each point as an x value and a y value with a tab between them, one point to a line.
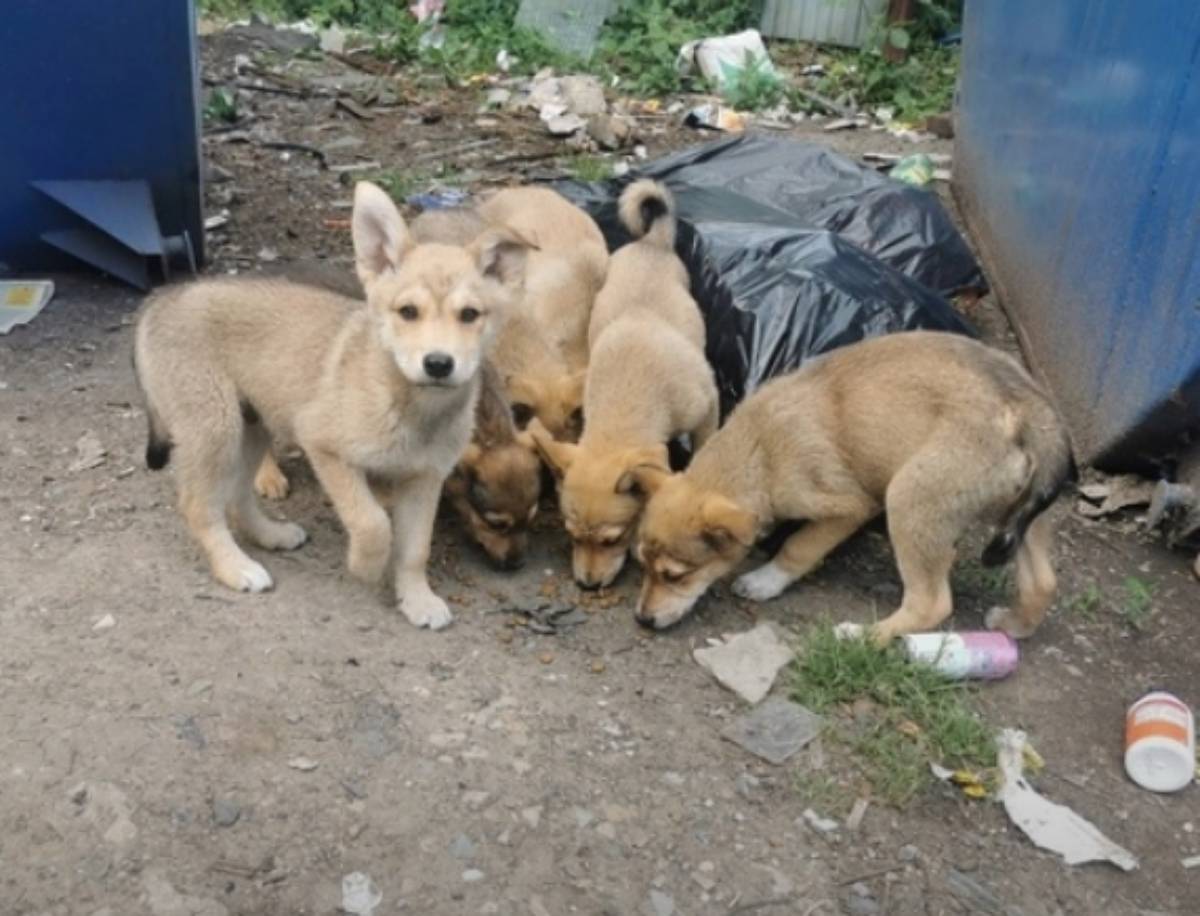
986	655
1160	742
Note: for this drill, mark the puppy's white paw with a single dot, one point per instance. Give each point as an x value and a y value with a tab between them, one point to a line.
271	483
425	609
286	536
848	630
246	576
762	584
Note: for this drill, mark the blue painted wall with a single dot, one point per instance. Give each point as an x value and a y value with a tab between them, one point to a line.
96	89
1077	162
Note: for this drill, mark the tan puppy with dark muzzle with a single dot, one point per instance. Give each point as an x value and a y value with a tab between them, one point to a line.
937	430
381	398
648	382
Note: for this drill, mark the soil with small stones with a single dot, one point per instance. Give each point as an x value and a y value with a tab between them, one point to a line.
209	753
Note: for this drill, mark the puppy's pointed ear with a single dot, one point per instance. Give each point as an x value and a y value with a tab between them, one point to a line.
381	239
726	523
648	468
500	254
557	455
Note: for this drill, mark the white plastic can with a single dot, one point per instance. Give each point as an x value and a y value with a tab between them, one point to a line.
1160	742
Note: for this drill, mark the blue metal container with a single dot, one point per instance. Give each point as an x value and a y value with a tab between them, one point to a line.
100	158
1077	163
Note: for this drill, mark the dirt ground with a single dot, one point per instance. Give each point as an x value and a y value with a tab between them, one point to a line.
175	749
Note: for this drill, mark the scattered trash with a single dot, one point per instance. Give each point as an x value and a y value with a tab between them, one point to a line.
568	25
1160	742
1050	826
107	622
987	655
304	764
332	40
1112	494
559	123
715	117
794	250
359	111
360	896
552	96
268	255
846	124
855	818
818	823
216	221
22	300
504	60
977	897
748	662
498	97
89	453
915	170
611	132
775	731
1190	862
722	61
438	199
544	615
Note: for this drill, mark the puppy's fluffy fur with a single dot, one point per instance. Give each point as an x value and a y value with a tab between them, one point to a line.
542	354
647	382
380	398
938	430
496	485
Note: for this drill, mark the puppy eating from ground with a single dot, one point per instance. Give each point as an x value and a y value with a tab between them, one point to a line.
647	383
381	398
937	430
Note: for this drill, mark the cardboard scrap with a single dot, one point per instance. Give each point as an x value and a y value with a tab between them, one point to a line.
748	662
1049	825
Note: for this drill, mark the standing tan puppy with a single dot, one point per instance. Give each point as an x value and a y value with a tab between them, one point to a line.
647	382
381	399
938	430
496	485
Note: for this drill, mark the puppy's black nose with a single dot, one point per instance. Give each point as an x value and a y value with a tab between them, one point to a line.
590	586
513	561
647	622
439	365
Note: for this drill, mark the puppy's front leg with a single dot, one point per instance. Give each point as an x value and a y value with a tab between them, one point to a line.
799	555
366	522
412	515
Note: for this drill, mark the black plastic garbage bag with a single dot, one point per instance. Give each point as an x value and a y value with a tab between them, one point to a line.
794	250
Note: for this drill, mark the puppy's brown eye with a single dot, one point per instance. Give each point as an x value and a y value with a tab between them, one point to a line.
468	315
408	312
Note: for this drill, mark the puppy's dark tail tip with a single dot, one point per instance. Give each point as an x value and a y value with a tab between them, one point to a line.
158	453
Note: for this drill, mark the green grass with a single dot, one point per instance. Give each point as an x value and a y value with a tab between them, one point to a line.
916	715
1138	603
639	44
920	85
221	106
990	583
1086	604
400	183
590	168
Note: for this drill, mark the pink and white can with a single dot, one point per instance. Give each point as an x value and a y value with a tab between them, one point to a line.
982	655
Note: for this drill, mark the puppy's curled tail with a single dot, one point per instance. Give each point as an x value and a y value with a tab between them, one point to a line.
647	210
1044	440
